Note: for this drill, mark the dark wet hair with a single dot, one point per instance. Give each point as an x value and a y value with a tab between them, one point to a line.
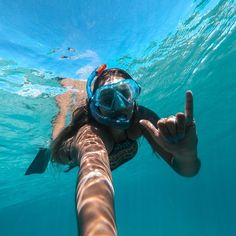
112	73
81	114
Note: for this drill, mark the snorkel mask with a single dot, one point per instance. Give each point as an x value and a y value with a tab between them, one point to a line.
112	100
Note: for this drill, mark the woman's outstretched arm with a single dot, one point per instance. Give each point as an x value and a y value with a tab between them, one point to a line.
94	190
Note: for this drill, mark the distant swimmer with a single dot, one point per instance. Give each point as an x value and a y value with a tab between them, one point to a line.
71	49
64	57
106	123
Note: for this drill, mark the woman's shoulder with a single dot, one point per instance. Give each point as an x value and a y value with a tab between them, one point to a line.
141	113
145	113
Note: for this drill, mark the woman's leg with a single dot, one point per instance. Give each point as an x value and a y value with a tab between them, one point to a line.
94	192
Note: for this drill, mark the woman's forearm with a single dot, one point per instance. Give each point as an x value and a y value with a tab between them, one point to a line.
94	192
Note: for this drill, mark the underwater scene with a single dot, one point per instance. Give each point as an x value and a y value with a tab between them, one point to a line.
168	47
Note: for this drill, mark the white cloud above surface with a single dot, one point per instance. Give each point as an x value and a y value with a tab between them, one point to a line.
87	54
86	70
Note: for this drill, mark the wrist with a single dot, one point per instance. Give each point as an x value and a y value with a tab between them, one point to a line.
187	167
187	158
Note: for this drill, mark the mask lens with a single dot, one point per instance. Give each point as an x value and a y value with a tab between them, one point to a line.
106	98
125	91
113	97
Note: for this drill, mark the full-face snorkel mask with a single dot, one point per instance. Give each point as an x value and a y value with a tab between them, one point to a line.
112	99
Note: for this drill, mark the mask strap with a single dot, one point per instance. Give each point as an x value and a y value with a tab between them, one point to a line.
91	79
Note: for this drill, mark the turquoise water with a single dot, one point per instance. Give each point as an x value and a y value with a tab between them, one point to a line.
169	48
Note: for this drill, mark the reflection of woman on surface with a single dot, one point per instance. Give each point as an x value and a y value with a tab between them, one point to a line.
103	135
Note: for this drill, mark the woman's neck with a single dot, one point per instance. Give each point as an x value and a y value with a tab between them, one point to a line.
118	135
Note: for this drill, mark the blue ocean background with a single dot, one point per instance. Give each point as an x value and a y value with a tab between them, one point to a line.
168	47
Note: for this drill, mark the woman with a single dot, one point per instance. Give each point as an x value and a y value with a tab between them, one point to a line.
103	135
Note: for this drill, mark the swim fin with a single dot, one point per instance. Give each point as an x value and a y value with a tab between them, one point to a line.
40	162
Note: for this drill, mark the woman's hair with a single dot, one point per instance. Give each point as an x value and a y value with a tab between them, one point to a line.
113	73
81	114
79	118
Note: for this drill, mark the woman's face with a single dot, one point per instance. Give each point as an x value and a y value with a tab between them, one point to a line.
127	111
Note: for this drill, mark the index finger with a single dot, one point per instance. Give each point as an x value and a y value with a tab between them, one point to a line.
189	106
149	127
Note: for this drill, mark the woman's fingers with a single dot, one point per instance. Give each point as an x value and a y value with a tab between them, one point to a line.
149	127
167	128
180	125
171	125
172	128
163	128
189	107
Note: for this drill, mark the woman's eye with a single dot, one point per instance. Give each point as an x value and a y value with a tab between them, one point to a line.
126	93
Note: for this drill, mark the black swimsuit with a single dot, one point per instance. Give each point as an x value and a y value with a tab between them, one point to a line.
122	152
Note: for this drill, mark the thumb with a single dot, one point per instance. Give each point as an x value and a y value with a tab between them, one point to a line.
152	130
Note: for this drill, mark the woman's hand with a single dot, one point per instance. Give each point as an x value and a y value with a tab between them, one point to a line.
176	134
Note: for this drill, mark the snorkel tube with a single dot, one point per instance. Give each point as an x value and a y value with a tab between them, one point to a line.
120	122
91	79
